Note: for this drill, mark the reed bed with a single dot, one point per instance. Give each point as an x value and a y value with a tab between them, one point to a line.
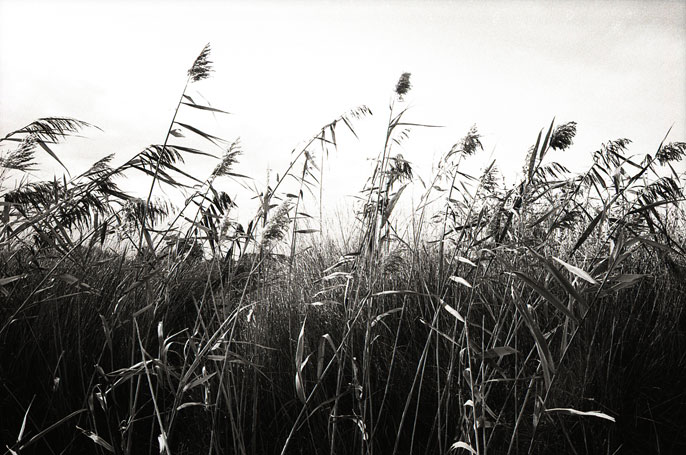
545	316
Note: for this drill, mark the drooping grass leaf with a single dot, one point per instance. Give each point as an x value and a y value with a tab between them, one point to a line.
570	411
577	271
214	139
544	354
546	294
460	280
45	147
462	445
198	381
466	261
454	312
205	108
564	282
191	150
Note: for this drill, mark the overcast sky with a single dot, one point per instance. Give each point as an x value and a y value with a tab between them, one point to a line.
283	69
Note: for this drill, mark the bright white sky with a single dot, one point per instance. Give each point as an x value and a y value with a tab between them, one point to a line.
286	68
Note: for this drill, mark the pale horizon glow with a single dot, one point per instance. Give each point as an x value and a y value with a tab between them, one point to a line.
284	69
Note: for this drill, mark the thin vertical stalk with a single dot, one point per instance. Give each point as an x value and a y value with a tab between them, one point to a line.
157	167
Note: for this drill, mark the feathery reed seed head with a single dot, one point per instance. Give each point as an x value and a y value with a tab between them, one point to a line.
471	142
21	159
403	86
562	137
491	179
674	151
202	67
277	225
401	169
228	160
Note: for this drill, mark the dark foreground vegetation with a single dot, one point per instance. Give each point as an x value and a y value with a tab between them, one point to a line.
540	318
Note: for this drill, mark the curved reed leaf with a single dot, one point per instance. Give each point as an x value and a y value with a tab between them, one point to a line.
577	271
570	411
544	354
546	294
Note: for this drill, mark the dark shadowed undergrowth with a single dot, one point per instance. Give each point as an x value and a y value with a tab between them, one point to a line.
546	316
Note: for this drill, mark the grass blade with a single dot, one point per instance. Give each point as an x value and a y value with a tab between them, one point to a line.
462	445
454	312
45	147
300	364
577	271
544	354
564	282
546	294
205	108
460	280
97	439
534	155
570	411
209	137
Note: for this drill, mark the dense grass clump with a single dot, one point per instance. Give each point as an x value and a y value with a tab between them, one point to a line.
547	316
